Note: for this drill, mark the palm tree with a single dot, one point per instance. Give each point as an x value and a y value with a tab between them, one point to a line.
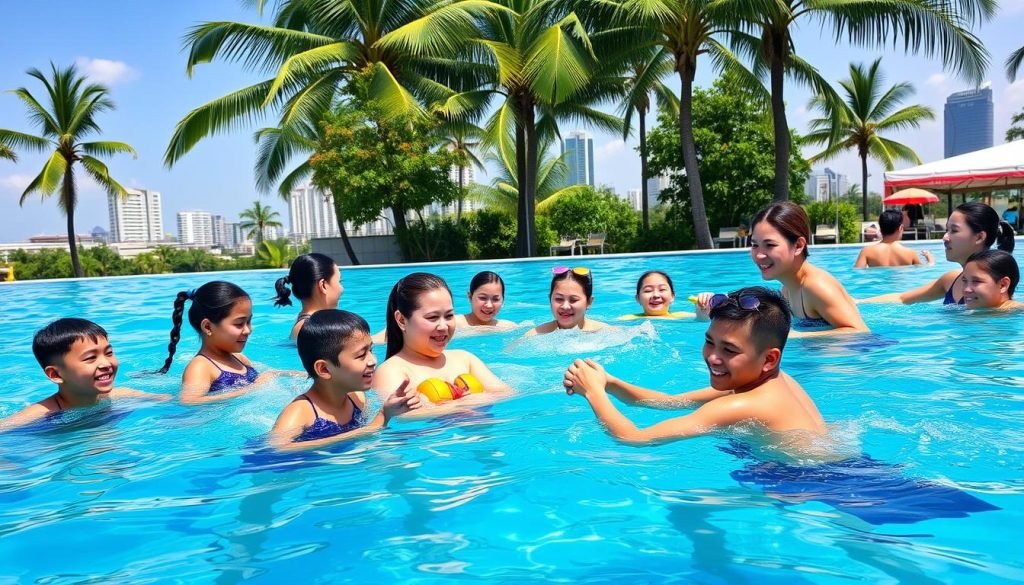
856	122
462	138
536	57
73	107
935	27
1014	63
1016	129
256	219
6	152
275	254
503	192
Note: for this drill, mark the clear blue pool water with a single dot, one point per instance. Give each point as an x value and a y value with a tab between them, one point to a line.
532	489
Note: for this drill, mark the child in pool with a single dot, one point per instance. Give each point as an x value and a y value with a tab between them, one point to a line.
989	279
221	313
972	227
743	351
336	350
316	281
571	294
420	324
486	297
76	355
655	294
778	247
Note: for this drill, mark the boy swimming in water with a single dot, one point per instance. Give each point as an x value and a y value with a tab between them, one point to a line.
743	351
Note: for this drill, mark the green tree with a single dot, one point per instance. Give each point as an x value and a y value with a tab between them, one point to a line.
8	153
274	254
737	162
71	117
503	192
934	27
1014	63
462	138
1016	129
589	211
256	219
857	121
824	213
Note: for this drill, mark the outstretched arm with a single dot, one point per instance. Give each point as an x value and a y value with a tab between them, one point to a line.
639	396
932	291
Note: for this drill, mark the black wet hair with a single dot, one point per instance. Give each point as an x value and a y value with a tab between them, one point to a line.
982	218
586	281
325	334
306	271
890	221
789	219
486	277
769	322
55	340
404	298
643	277
213	301
998	264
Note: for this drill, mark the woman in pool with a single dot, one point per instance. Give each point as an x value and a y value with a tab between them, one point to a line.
316	281
486	297
572	293
420	324
778	247
221	313
972	227
989	279
655	295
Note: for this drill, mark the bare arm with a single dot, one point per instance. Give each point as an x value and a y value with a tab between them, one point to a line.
862	259
636	395
491	383
836	307
130	393
930	292
196	381
27	415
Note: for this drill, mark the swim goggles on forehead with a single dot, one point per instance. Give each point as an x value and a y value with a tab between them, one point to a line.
580	270
745	302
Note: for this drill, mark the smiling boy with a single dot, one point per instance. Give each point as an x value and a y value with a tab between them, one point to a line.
743	351
76	355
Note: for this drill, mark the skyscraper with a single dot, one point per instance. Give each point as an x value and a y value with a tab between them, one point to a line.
968	121
311	214
826	185
221	237
195	228
136	217
578	148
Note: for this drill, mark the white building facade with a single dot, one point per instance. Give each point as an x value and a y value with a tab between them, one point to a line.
311	214
136	217
195	228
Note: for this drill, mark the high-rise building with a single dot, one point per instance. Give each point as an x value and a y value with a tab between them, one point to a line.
220	232
578	150
968	121
826	185
655	185
136	217
468	175
635	196
311	214
195	228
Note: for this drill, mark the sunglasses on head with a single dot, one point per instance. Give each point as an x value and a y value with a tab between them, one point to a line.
745	302
580	270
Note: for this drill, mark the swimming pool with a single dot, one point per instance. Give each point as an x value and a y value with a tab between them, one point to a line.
530	489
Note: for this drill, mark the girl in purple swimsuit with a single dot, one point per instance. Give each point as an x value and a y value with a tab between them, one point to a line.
221	313
337	352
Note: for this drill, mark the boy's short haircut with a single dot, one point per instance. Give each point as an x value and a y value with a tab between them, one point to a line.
769	322
889	221
55	340
325	334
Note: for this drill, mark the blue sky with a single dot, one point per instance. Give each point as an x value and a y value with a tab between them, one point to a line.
135	48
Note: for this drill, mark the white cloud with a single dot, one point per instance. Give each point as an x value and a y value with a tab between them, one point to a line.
15	182
610	150
1014	95
937	79
106	71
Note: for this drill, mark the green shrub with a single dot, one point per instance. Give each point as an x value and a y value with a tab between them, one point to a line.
824	213
590	211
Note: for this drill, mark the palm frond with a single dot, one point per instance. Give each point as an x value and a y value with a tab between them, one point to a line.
107	148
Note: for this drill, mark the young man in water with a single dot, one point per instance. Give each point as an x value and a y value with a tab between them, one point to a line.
890	252
743	351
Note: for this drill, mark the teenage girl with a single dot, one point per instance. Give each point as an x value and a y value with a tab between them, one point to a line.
571	295
316	281
486	297
989	279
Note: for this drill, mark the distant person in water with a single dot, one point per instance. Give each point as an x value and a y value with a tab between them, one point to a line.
571	295
972	227
655	294
316	281
778	247
889	251
989	281
743	352
486	297
76	355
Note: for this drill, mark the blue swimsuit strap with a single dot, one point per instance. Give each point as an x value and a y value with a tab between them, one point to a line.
222	370
316	415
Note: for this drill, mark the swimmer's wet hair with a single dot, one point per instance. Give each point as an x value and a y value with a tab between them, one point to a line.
325	334
998	265
789	219
889	221
55	340
982	218
585	281
404	298
769	322
213	301
486	277
306	272
643	277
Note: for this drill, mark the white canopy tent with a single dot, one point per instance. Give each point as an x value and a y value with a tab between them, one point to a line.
999	167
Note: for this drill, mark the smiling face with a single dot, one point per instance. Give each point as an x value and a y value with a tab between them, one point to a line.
486	301
772	253
431	325
356	363
981	291
569	303
733	359
88	368
655	296
231	333
960	241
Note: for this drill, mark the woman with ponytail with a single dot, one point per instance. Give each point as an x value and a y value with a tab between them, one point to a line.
221	313
420	324
316	281
972	228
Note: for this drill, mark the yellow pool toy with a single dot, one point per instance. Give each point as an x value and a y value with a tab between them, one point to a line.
437	390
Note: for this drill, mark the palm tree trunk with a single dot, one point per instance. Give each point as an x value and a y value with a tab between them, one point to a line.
462	193
864	181
700	215
348	245
526	173
779	50
642	113
69	197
